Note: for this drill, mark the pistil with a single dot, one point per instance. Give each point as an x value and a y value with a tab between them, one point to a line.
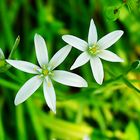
45	72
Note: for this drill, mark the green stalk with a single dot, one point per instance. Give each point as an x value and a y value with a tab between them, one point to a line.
130	85
79	116
38	127
8	84
20	123
67	129
6	23
125	80
2	135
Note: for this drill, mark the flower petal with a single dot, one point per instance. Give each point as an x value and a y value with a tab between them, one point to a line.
81	60
24	66
41	50
28	89
92	34
49	94
75	42
68	78
109	39
97	69
109	56
59	57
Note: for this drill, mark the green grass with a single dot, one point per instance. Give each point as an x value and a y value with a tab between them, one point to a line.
107	112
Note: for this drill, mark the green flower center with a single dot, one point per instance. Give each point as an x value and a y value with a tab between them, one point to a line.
94	49
45	72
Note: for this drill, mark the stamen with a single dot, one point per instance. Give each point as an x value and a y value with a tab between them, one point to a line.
45	72
44	67
35	68
94	49
39	76
49	84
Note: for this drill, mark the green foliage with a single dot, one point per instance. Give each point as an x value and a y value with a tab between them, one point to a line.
112	13
135	65
107	112
132	132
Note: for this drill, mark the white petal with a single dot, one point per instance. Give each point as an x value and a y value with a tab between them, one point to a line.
109	39
97	69
68	78
81	60
92	34
24	66
28	89
49	94
86	137
41	50
109	56
75	42
59	57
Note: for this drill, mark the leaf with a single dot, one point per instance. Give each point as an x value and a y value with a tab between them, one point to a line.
126	81
14	47
132	5
131	132
135	65
112	13
2	63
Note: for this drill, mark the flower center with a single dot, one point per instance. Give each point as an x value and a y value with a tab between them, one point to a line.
94	49
45	72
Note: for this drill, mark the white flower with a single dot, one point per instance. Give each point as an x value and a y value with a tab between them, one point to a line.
94	50
45	73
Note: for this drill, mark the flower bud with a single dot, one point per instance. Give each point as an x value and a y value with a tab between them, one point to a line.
3	65
1	55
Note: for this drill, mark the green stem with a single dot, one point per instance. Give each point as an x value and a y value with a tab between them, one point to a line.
13	76
79	116
7	29
130	85
1	125
20	123
64	128
39	129
125	80
8	84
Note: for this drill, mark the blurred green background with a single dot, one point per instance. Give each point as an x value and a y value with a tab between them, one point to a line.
107	112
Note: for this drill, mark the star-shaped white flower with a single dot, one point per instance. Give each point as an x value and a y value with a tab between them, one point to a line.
94	50
44	73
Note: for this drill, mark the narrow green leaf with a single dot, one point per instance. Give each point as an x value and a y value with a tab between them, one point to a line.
14	47
8	84
112	13
64	128
131	132
130	85
132	5
2	135
20	123
135	65
38	127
